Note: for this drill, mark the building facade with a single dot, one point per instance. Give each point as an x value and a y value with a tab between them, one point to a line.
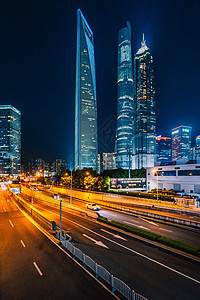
181	143
163	149
197	148
36	165
109	161
124	131
10	140
86	143
59	167
144	144
183	178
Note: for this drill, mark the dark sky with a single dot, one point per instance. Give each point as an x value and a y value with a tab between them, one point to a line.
37	64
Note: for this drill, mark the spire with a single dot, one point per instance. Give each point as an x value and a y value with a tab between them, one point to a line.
143	46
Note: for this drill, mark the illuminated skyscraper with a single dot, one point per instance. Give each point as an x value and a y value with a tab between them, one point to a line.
124	132
144	145
86	145
181	142
164	149
197	148
10	140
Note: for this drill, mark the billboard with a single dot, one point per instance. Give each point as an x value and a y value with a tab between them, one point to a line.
128	183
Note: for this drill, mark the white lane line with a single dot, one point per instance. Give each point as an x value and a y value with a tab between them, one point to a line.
131	223
22	243
131	250
115	235
4	209
11	223
149	221
139	226
166	229
37	268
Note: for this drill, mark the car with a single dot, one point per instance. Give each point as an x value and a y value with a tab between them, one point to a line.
93	206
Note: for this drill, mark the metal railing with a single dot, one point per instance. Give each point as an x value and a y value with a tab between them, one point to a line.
115	283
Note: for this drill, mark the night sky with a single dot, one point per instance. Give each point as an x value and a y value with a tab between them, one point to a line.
38	55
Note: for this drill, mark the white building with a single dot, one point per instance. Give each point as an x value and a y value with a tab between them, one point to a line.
109	161
181	178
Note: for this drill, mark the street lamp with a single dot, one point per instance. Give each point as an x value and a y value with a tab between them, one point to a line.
71	189
154	171
60	217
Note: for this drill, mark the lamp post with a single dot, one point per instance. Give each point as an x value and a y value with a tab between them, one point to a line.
129	167
71	189
154	171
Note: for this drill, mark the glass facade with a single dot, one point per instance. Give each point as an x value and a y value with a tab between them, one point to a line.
124	132
10	140
181	142
197	148
164	149
86	144
144	145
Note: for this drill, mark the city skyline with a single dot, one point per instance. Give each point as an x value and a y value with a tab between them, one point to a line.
38	66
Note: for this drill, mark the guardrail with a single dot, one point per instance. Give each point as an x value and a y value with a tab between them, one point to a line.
115	283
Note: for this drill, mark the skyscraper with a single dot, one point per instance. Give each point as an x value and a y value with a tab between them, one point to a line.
181	142
197	148
144	145
86	144
164	149
124	132
10	140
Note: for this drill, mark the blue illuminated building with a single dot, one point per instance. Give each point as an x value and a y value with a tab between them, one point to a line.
124	131
86	144
10	140
181	143
164	149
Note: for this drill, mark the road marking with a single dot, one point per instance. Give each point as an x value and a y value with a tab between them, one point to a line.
115	235
166	229
37	268
99	243
149	221
11	223
131	250
4	209
131	223
22	243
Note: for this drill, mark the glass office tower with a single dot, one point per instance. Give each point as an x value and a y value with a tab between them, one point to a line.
164	149
144	145
86	144
124	132
181	142
10	140
197	148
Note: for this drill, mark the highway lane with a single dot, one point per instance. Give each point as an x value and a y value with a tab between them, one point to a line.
32	267
149	270
180	233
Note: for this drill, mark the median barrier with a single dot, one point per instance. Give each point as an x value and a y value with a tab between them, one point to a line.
115	283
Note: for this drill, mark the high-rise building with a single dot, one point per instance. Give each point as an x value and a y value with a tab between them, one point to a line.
144	144
86	143
99	163
10	140
59	166
181	142
36	165
197	148
164	149
124	131
109	161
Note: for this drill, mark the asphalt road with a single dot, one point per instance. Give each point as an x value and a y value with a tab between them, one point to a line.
32	267
151	271
176	232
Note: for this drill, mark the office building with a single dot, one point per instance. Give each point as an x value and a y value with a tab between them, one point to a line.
181	143
10	140
36	165
99	163
197	148
59	167
163	149
144	145
183	178
86	143
124	131
109	161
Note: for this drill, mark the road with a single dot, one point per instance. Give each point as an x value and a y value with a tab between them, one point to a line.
32	267
151	271
181	233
